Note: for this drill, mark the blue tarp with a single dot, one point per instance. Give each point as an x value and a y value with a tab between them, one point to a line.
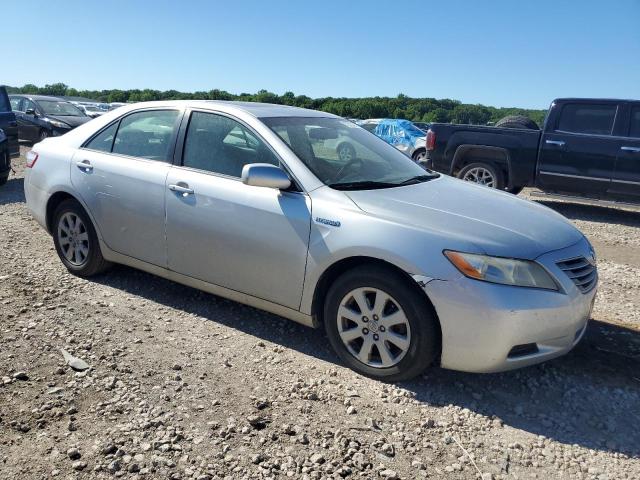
398	132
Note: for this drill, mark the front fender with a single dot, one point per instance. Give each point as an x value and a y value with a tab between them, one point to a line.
359	234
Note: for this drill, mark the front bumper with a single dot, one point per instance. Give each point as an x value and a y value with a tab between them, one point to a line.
482	322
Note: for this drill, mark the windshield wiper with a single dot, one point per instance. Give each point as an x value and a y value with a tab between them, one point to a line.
362	185
419	179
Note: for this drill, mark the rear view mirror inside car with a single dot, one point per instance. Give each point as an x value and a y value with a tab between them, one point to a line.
323	133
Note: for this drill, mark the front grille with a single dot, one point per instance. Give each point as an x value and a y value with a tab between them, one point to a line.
581	272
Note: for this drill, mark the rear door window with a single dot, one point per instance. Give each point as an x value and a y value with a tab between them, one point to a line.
634	129
146	134
587	119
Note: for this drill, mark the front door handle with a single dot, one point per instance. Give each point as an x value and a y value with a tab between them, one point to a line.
85	165
183	189
631	149
558	143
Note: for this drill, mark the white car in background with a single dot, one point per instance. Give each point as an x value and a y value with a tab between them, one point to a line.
91	110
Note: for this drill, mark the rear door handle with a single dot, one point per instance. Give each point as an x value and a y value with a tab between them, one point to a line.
85	165
183	189
558	143
631	149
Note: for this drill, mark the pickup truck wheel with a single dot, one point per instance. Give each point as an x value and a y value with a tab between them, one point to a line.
482	174
346	152
379	325
420	156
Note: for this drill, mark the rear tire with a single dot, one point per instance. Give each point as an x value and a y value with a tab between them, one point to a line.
483	173
76	241
517	121
400	343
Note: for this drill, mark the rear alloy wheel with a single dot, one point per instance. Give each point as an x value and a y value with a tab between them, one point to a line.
380	325
76	241
482	174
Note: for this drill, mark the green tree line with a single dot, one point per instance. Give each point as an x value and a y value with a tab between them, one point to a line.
402	106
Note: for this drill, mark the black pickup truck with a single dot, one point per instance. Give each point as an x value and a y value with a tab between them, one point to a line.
587	148
9	146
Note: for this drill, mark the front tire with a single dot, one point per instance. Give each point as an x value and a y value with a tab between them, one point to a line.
484	174
380	325
76	241
43	135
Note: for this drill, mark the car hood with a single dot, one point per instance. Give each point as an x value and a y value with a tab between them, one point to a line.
72	121
496	223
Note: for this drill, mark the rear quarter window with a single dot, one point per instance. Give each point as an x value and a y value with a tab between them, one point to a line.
587	119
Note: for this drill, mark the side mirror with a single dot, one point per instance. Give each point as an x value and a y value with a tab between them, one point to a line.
30	111
265	175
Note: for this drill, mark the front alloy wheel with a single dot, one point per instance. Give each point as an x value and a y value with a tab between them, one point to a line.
380	324
373	327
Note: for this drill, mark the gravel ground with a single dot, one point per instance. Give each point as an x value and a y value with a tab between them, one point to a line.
183	384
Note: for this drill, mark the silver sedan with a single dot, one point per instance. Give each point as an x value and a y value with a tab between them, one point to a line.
402	267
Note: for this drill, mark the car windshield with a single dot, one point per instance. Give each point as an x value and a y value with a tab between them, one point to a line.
61	109
345	156
91	108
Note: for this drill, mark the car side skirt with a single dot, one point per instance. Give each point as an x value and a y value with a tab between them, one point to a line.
239	297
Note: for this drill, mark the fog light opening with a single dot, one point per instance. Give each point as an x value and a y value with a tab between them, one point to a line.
523	350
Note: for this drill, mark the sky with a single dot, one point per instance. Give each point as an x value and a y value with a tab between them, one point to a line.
502	53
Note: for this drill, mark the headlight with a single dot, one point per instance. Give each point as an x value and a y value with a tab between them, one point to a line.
506	271
57	123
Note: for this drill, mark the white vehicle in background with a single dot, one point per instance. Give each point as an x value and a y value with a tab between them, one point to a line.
91	110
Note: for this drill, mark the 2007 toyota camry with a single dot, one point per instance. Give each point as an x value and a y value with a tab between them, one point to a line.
403	267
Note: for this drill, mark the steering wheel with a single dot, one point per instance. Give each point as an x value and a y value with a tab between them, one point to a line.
346	166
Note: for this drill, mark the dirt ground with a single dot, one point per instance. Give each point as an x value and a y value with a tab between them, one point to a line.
184	384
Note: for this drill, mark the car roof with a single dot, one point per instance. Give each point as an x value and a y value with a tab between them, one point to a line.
593	100
256	109
262	110
38	97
